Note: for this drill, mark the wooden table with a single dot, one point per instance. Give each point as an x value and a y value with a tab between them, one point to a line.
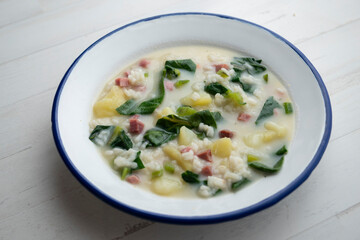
40	199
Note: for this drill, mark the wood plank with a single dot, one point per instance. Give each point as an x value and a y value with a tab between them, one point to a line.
344	225
12	11
108	13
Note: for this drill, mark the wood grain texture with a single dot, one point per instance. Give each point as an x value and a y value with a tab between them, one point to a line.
40	199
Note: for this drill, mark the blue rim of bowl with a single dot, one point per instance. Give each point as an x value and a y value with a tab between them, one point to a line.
228	216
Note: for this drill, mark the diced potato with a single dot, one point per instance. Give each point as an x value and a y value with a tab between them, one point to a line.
253	140
166	111
269	136
166	186
222	147
203	100
280	130
186	136
174	154
106	107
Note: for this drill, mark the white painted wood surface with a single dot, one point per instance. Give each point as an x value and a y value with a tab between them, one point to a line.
40	199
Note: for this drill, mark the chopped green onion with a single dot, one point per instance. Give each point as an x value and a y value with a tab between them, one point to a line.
185	111
181	83
252	158
169	167
236	185
146	74
157	173
235	97
281	151
266	78
190	177
222	73
288	107
205	182
125	171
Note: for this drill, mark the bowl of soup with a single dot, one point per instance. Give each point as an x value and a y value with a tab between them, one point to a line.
172	120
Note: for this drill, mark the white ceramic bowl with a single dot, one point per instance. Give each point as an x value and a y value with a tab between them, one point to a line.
75	96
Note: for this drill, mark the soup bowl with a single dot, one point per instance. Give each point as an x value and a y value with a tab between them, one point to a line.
72	109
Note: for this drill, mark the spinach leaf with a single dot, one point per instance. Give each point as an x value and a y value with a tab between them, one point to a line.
172	67
173	123
217	116
268	109
168	127
157	136
237	185
247	87
190	177
251	65
186	64
204	116
264	168
101	134
120	139
147	107
138	161
214	88
282	151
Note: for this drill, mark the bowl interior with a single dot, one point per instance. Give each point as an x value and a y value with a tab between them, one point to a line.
87	76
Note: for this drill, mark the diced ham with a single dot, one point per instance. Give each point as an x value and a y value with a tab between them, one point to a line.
220	66
144	63
226	133
206	171
184	150
136	126
169	85
206	155
122	82
244	117
126	74
133	179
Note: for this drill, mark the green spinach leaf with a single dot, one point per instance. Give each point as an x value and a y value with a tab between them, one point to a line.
120	139
251	65
101	134
147	107
172	67
157	136
138	161
268	109
264	168
173	123
190	177
247	87
186	64
237	185
214	88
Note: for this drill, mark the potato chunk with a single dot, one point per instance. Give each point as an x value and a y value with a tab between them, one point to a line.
186	136
197	99
166	186
106	107
222	147
174	154
166	111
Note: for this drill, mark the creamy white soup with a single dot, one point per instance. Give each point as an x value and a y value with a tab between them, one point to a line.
193	121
